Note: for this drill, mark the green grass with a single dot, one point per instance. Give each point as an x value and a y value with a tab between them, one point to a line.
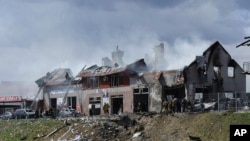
16	130
216	127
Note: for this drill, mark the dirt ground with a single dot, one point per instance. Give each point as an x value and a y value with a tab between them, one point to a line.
146	127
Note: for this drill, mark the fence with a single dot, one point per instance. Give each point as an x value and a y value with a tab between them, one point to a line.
237	101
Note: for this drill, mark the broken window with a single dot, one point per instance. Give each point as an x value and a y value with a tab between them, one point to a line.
145	90
229	95
198	97
89	83
113	81
136	91
96	82
230	71
120	79
117	80
93	82
217	72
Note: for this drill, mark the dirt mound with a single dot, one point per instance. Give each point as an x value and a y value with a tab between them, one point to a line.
156	127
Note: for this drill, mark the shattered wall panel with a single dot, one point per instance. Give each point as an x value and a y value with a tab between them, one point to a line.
155	98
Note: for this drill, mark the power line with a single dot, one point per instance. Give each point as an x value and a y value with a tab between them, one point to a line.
246	43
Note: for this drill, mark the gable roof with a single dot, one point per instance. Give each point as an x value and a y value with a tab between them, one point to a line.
210	51
214	46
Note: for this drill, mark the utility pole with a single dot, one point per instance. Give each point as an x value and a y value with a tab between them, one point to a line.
246	65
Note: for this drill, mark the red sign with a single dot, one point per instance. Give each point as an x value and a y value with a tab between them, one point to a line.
9	98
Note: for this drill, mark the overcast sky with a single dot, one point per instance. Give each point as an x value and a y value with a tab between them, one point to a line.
38	36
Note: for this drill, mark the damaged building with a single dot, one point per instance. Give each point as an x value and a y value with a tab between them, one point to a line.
157	62
153	87
123	87
60	89
109	85
214	74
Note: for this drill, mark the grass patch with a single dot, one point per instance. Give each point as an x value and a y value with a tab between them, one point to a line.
16	130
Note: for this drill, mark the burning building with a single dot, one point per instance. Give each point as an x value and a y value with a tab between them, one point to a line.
214	75
60	89
123	87
157	62
110	85
153	87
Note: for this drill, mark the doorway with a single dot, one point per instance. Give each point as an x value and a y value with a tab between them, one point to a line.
143	99
53	103
116	104
71	102
95	105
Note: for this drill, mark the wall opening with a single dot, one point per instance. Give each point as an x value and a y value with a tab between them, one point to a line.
143	100
174	92
53	103
71	102
116	104
95	105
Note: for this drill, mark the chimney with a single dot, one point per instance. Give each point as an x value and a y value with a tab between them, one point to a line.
159	57
106	62
117	57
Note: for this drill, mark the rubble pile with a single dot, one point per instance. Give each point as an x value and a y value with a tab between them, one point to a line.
116	127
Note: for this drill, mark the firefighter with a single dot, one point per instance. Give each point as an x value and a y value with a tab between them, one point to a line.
139	107
106	108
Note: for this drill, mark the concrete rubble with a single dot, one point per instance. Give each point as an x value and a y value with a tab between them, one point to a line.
102	127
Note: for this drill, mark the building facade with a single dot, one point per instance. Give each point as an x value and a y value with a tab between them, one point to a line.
110	85
153	87
60	89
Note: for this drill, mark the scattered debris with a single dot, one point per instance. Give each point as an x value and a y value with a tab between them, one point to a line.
137	134
53	132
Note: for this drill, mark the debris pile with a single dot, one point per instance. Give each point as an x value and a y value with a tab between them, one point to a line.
115	127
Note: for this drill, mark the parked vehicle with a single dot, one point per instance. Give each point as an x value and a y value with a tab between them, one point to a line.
65	112
24	113
7	115
75	113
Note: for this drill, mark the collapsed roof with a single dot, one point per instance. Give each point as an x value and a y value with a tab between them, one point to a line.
58	76
135	67
166	78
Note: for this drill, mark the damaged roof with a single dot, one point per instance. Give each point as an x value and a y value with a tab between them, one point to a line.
213	49
166	78
135	67
58	76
